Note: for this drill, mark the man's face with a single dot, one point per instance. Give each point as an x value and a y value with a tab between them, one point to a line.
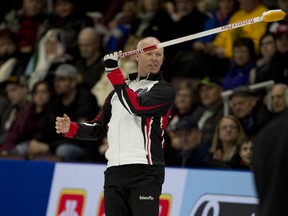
210	95
151	5
248	5
33	7
283	4
278	99
7	47
241	55
87	46
188	139
63	85
183	100
226	6
16	93
184	6
242	106
150	62
64	8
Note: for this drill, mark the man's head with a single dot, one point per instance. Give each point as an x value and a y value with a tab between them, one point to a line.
279	97
187	133
64	8
32	8
8	43
282	4
16	89
65	79
249	5
151	61
186	97
242	101
184	7
210	92
89	42
282	38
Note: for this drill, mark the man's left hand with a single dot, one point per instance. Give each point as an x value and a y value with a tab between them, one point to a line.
111	61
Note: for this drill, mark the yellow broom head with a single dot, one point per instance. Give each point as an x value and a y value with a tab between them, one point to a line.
273	15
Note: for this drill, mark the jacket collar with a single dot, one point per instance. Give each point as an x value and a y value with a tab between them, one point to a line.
157	76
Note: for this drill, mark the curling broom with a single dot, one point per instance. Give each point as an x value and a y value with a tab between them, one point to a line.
268	16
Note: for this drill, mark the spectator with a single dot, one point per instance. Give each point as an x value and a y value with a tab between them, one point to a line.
26	23
29	120
185	14
228	136
279	98
119	27
243	158
282	38
51	49
191	151
218	17
242	62
152	19
90	65
186	101
70	20
268	62
248	9
12	62
211	109
281	75
17	95
73	100
249	110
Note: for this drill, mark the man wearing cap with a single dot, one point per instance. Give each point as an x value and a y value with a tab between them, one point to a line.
211	110
249	109
16	91
192	152
74	100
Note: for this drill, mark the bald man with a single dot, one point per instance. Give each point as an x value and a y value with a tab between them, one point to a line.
279	97
134	116
90	65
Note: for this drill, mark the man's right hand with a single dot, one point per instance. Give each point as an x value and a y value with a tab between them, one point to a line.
62	124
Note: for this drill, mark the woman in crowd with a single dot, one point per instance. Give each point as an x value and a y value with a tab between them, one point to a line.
229	134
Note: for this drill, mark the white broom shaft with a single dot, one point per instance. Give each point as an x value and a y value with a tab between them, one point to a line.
269	18
210	32
193	36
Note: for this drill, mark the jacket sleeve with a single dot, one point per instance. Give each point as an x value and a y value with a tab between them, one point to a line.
95	129
156	102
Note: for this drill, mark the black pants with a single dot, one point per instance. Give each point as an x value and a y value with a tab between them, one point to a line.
133	190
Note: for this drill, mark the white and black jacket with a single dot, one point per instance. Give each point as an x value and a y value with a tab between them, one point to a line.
135	115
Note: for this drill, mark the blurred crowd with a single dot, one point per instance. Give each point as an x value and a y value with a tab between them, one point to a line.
50	64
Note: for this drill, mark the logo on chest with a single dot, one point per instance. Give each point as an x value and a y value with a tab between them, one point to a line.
141	91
